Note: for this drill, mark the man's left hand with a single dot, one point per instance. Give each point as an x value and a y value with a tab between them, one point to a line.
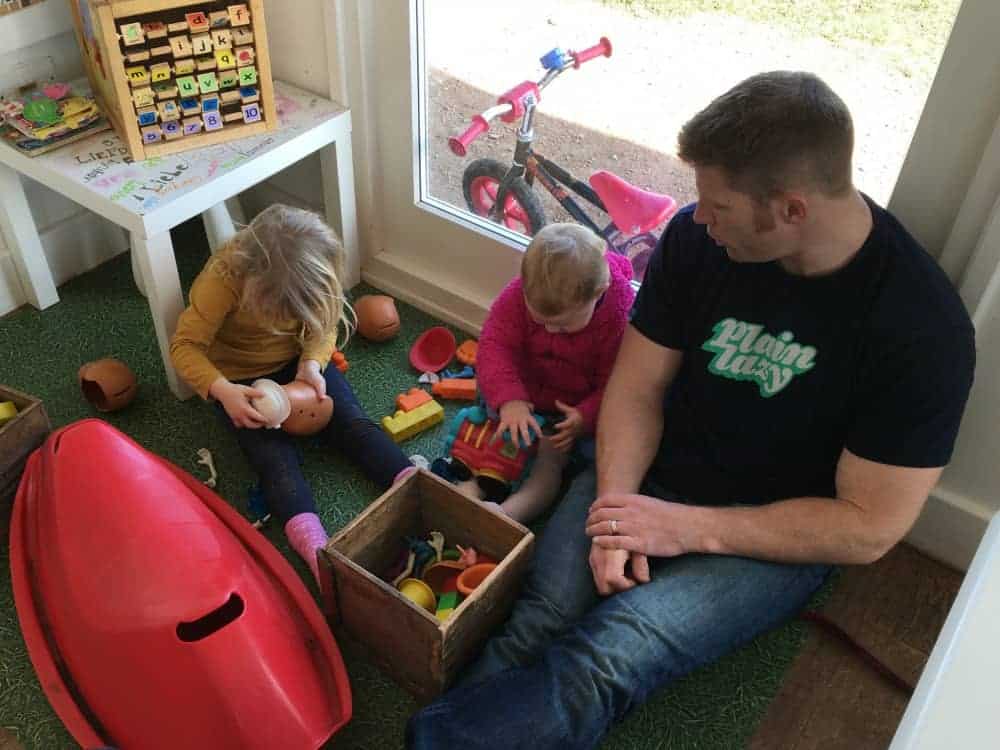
643	524
309	372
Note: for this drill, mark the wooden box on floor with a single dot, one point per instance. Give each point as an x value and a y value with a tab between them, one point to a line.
18	438
407	642
172	75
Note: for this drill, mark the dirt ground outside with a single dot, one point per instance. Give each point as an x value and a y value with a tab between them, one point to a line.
623	113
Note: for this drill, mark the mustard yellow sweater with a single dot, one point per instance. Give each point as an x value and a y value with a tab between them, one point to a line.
215	337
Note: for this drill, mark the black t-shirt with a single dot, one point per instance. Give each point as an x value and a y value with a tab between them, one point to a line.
781	372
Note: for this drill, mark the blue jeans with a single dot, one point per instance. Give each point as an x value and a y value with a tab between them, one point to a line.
275	457
570	662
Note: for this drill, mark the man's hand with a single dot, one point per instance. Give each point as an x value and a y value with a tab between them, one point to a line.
647	525
568	429
308	372
235	399
608	568
516	416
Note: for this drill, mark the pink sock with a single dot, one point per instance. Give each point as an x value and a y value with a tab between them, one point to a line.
306	534
403	474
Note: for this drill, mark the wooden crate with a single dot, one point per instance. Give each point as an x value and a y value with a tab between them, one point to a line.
18	438
145	60
408	643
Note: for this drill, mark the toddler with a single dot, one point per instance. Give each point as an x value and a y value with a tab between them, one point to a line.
548	346
270	304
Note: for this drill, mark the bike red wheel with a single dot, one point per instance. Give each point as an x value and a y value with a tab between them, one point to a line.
522	210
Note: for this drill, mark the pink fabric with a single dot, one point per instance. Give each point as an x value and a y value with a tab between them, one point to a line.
519	360
306	534
403	474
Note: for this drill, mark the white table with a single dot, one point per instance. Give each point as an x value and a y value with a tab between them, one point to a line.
956	703
148	198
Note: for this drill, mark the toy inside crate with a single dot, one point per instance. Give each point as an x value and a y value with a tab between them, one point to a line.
173	75
421	651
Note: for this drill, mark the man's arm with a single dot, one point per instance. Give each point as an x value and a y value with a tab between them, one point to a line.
631	418
876	505
628	435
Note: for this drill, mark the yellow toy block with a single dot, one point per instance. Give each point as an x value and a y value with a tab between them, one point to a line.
224	59
406	424
137	76
159	72
143	97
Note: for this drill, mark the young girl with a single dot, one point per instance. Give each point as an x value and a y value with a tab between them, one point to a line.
270	304
548	346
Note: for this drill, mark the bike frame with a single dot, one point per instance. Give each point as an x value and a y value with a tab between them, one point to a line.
530	165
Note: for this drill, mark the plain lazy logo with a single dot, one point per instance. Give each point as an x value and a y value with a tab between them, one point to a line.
744	352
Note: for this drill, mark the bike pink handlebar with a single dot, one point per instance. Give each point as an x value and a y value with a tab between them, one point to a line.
603	47
460	145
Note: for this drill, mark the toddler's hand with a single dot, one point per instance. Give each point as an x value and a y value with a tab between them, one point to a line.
235	399
568	429
516	416
309	372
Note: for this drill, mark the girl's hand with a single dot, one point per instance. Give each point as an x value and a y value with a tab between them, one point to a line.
309	372
568	429
516	416
235	399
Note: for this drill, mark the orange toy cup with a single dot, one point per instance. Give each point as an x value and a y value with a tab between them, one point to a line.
472	576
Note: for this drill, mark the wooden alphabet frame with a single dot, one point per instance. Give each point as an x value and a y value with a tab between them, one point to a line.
173	75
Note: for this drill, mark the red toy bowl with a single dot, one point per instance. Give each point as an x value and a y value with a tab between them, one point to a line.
433	350
155	615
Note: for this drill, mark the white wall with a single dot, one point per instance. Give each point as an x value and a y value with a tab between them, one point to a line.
297	37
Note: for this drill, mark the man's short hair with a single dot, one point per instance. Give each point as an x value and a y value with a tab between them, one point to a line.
774	132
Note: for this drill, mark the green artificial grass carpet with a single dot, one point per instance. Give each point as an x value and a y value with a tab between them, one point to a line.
101	314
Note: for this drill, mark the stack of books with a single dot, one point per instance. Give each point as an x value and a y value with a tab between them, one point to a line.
48	116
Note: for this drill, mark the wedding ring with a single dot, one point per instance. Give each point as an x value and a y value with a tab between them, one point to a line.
614	526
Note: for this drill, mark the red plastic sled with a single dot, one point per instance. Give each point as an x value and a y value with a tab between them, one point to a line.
155	615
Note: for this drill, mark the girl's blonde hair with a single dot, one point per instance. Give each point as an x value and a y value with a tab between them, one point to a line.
563	268
291	263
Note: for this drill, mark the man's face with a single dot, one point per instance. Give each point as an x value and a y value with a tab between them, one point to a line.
747	229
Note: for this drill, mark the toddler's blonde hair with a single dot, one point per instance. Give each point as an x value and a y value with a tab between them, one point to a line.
563	268
291	263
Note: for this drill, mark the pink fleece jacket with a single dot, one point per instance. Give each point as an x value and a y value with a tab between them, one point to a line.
519	360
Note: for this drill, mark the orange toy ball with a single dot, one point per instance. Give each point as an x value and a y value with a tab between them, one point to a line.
108	384
308	415
378	319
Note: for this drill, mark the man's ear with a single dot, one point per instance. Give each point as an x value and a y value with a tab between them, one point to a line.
794	209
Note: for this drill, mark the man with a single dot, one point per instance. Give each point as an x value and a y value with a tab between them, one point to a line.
784	400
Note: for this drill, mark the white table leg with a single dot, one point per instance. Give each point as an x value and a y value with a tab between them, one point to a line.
158	270
337	164
218	225
22	236
140	283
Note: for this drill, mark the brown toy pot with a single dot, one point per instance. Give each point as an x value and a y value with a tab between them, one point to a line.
108	384
308	415
378	319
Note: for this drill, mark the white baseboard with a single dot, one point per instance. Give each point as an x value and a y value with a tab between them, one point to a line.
950	527
411	284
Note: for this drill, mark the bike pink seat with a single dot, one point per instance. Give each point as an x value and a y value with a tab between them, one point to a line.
632	209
